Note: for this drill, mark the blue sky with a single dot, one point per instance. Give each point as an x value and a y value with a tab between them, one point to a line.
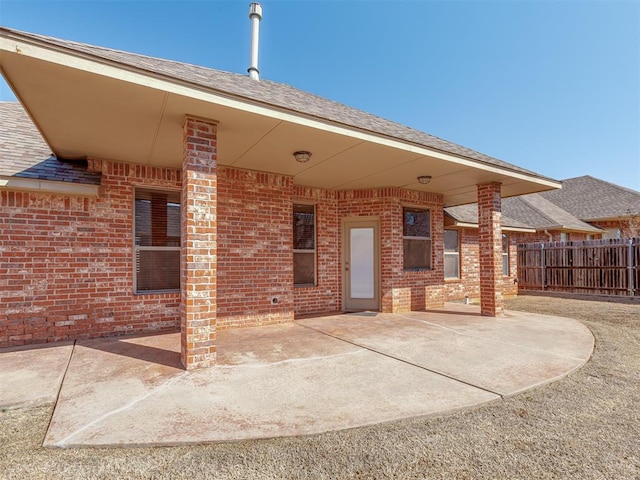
552	86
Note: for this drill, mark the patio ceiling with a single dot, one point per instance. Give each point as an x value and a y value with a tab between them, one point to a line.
90	107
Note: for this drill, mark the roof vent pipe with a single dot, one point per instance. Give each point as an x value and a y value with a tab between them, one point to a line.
255	14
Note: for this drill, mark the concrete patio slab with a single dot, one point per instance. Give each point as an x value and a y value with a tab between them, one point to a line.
503	355
32	375
310	376
273	390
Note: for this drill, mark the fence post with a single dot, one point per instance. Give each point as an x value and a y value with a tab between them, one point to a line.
544	267
632	288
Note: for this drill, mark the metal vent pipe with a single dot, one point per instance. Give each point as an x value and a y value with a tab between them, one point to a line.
255	14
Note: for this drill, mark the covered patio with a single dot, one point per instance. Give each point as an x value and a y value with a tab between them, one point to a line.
225	147
313	375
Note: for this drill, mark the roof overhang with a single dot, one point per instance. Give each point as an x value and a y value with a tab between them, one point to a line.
505	228
48	186
612	219
567	229
451	222
87	106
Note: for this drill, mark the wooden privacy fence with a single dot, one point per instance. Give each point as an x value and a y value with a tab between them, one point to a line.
595	267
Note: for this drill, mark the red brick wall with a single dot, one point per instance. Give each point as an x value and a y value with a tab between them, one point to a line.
326	295
66	263
255	249
69	260
469	282
509	283
628	228
401	291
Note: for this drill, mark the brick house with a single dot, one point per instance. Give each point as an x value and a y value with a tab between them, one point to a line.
585	208
289	204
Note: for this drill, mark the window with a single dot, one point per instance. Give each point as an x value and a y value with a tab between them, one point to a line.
563	236
451	254
304	245
505	254
416	239
611	233
157	241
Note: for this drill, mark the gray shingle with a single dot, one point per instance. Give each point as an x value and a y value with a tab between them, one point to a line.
276	95
590	198
529	211
469	214
24	154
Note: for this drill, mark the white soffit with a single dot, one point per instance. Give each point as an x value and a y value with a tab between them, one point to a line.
11	46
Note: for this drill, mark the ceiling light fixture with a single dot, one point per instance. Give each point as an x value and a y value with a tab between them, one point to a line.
424	179
302	156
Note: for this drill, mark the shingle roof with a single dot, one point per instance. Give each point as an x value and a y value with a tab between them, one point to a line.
276	95
532	211
590	198
469	214
20	141
24	154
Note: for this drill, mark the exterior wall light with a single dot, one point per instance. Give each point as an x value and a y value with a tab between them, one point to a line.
302	156
424	179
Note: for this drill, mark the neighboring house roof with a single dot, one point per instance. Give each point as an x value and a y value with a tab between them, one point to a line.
468	214
24	154
20	141
532	211
278	95
540	213
590	199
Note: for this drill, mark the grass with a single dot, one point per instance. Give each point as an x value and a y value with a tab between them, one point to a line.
586	425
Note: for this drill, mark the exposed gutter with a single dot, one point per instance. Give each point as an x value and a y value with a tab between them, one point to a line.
549	235
457	224
48	186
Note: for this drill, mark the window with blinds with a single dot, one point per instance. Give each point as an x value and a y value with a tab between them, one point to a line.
416	239
304	245
451	254
157	241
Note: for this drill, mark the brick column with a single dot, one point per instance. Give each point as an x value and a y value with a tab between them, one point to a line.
199	244
490	243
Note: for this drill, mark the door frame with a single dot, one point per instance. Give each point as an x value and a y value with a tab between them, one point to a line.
360	222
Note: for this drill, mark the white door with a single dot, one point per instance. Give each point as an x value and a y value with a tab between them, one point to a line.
361	265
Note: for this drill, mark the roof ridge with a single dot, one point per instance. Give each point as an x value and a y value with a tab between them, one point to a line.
531	205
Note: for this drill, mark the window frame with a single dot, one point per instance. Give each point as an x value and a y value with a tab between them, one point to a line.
306	250
428	240
141	248
612	233
505	255
452	254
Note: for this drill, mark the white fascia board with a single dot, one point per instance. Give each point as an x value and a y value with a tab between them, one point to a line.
48	186
626	216
519	229
506	229
465	225
126	73
564	228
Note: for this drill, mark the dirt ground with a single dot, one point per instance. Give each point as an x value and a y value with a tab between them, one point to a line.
586	426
